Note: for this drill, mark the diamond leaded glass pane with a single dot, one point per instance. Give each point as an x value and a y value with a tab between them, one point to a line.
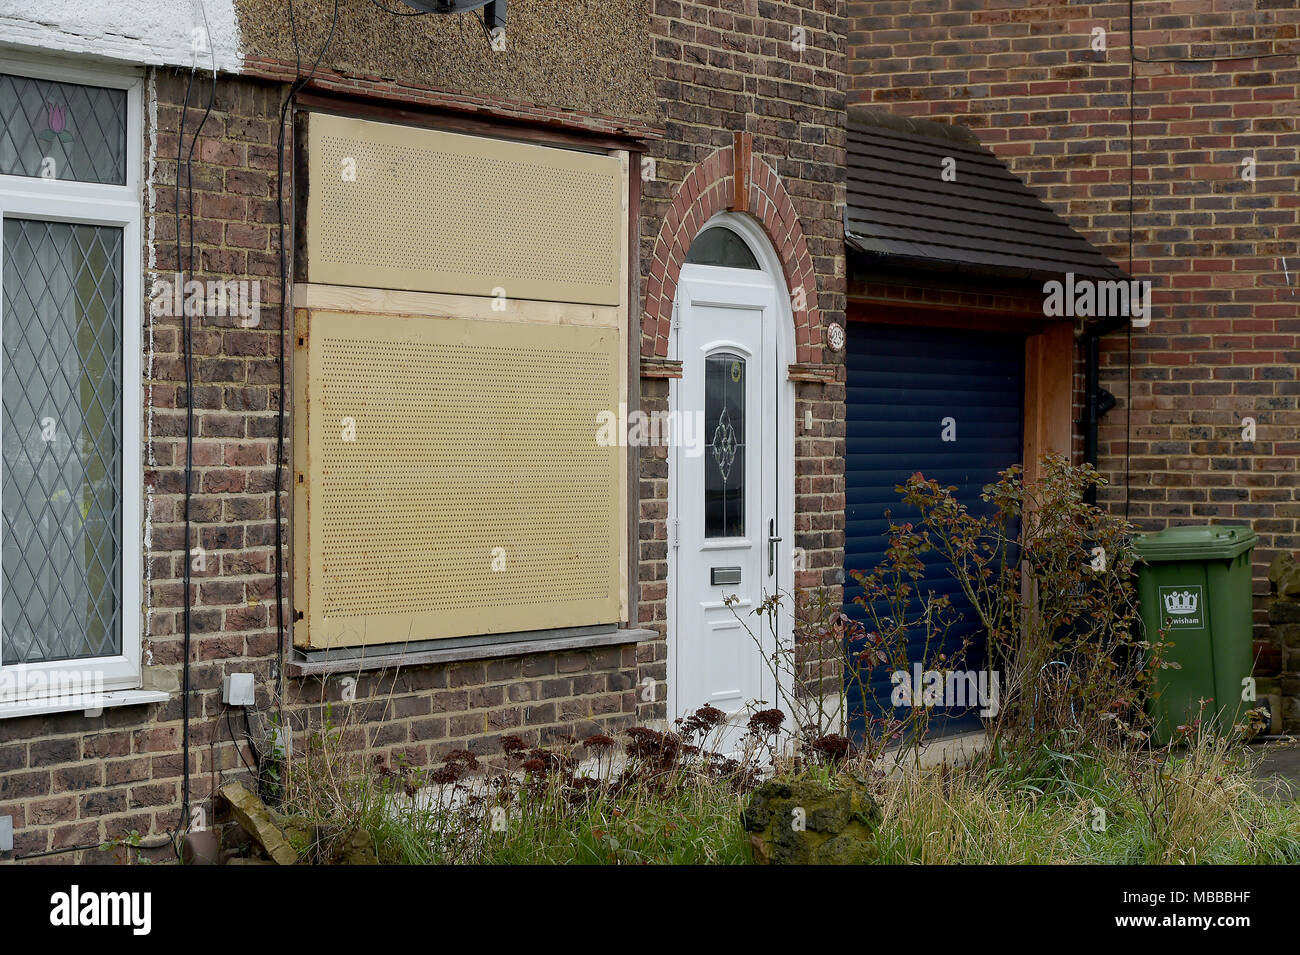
62	130
724	460
61	487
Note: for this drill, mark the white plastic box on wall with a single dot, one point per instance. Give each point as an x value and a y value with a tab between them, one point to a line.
238	689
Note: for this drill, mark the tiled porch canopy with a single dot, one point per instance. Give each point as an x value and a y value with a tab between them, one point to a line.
984	222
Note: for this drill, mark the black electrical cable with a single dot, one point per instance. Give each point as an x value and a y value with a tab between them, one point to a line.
1128	326
254	743
482	22
298	83
156	844
185	545
254	737
171	837
231	727
187	341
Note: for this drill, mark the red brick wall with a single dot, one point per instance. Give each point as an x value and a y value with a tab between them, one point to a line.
1224	343
652	545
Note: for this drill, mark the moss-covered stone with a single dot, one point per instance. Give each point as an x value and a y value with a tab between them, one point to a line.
255	819
811	822
358	848
298	830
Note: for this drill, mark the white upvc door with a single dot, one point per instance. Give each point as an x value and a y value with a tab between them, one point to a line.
725	525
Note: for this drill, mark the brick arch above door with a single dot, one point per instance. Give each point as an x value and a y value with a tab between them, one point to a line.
712	187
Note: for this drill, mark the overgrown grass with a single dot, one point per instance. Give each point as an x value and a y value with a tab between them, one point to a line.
694	822
1198	805
660	800
1195	804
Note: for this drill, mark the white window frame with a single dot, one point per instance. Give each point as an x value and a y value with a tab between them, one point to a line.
119	206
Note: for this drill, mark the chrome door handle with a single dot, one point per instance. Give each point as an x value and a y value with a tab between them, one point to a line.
772	541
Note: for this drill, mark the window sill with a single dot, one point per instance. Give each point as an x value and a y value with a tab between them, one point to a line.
384	659
90	703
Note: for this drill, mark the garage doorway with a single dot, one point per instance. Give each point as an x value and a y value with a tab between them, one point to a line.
948	403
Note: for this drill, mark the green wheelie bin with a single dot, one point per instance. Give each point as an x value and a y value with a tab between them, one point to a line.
1194	587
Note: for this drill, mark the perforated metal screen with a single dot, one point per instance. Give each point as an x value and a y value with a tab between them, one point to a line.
401	207
449	478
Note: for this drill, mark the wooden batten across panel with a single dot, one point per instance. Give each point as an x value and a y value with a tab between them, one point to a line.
342	298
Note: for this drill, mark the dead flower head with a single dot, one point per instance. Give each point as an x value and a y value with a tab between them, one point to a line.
444	775
461	757
832	747
766	722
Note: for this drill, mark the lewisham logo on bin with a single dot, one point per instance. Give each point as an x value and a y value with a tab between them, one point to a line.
1183	607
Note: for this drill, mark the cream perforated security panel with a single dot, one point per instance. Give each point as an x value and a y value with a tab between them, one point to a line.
402	207
450	479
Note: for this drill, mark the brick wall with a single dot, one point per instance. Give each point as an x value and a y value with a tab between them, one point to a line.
70	780
652	542
1284	632
723	67
1224	343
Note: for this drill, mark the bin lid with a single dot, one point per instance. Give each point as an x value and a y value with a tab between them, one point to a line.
1195	542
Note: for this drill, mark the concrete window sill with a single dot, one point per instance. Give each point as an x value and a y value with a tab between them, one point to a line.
89	703
387	659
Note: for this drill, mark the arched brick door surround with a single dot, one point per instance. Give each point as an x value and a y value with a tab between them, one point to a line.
711	188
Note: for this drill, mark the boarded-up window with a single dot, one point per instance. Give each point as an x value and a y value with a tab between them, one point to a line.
450	475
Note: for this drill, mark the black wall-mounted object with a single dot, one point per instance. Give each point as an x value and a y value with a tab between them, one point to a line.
494	11
1096	399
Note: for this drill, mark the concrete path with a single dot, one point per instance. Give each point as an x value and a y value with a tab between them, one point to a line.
1280	770
953	750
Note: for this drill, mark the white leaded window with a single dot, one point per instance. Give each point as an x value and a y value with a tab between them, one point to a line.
70	390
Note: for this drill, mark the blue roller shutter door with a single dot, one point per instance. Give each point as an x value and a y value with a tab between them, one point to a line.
903	382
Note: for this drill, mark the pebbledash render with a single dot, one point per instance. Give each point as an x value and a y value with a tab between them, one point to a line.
706	147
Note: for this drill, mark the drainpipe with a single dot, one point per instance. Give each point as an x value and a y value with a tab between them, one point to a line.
1096	399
